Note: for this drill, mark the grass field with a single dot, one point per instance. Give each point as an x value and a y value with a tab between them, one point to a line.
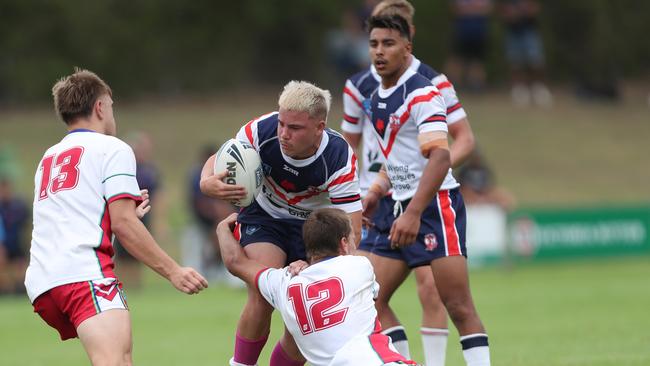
570	313
585	313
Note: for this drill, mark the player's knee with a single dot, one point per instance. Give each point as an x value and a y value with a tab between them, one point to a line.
460	310
110	358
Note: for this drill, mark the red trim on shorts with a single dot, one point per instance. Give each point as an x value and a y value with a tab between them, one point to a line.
452	241
257	277
65	307
236	232
377	328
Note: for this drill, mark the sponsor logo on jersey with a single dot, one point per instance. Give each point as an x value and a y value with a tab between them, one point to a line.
290	170
252	229
430	242
395	123
381	105
303	214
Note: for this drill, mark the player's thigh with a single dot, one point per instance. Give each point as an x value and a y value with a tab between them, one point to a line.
390	273
106	337
266	253
269	255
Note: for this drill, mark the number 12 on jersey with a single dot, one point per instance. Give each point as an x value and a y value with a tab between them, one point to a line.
67	161
324	296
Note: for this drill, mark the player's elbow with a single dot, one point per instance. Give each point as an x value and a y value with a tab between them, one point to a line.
469	142
122	227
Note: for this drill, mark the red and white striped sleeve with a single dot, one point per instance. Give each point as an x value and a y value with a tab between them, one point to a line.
353	112
455	111
343	186
427	109
248	132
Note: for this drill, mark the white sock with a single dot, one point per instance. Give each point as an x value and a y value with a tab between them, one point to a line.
476	349
398	337
434	345
233	363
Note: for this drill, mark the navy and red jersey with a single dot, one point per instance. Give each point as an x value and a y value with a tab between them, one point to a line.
293	188
358	90
399	115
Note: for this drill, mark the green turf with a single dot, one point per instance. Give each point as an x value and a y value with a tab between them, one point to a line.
582	313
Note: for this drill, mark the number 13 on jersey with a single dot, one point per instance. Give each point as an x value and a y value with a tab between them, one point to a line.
323	297
68	174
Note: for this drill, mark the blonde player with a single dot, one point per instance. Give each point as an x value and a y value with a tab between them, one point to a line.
86	191
328	307
307	166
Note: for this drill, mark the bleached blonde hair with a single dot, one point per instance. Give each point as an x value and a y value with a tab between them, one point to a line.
402	8
302	96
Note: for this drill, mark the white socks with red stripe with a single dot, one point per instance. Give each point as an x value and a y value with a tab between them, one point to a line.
434	343
398	337
476	349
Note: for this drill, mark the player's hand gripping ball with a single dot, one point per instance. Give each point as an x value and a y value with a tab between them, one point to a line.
244	168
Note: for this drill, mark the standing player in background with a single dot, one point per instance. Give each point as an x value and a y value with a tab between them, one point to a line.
85	190
392	266
408	116
307	166
328	307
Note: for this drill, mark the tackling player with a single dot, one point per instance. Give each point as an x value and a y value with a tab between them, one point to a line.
392	266
408	116
85	190
307	166
328	307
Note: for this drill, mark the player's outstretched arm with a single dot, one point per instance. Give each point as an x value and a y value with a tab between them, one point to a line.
232	254
137	240
212	184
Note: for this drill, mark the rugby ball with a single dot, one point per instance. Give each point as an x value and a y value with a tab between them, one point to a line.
244	168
